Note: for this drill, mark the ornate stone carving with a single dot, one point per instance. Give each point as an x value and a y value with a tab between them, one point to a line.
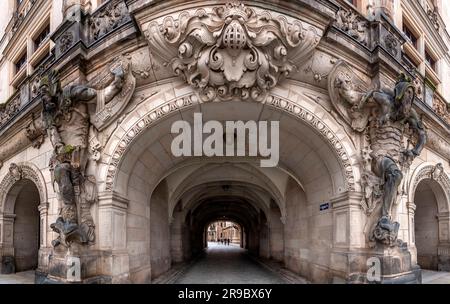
65	42
433	15
115	88
65	117
15	171
9	110
232	51
441	109
391	44
387	115
347	90
437	172
114	14
35	134
353	25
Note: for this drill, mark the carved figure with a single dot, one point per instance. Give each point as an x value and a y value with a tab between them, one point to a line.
384	116
66	119
393	113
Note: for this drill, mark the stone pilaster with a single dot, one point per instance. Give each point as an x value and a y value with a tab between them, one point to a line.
6	243
112	214
444	241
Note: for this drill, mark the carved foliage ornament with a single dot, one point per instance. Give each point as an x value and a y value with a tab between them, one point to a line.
232	51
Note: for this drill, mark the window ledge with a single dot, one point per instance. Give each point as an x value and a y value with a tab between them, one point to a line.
42	50
430	73
20	76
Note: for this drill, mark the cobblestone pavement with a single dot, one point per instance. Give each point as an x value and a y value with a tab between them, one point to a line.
227	265
26	277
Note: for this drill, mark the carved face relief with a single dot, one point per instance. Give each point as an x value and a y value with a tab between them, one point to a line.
16	172
231	50
346	92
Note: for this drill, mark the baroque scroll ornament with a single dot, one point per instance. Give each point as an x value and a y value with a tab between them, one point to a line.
232	51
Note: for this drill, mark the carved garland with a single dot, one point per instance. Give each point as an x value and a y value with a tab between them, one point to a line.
190	99
26	171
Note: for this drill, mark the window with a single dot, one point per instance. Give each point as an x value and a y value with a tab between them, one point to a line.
41	37
352	2
430	60
409	34
429	95
21	62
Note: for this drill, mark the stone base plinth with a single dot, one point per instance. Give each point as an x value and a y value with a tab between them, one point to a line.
91	267
384	265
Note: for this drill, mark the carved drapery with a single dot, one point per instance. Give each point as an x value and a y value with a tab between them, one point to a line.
232	50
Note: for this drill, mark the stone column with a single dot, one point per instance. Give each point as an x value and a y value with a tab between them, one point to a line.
44	249
72	8
385	6
112	231
43	213
411	211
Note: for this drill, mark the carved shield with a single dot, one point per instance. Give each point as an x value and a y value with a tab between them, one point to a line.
108	111
347	91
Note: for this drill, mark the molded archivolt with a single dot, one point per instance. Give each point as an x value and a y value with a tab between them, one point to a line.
176	101
28	171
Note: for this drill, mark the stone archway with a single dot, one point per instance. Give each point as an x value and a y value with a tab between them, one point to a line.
137	159
23	216
430	221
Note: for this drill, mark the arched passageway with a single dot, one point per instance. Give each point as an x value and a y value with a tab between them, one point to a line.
23	200
173	199
428	198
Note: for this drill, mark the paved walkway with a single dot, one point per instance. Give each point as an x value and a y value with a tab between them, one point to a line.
435	277
26	277
227	265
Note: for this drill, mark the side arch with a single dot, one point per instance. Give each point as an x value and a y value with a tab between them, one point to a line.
17	172
428	171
